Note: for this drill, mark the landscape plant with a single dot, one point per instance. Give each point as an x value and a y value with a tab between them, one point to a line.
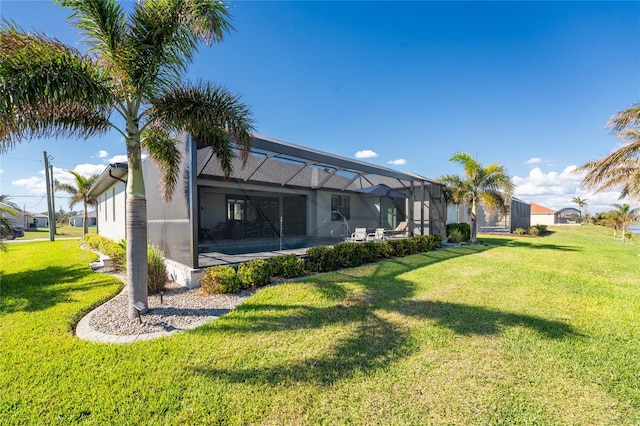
287	266
219	280
132	80
80	194
488	186
254	273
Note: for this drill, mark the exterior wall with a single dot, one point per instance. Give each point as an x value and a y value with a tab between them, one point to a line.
543	219
79	220
110	212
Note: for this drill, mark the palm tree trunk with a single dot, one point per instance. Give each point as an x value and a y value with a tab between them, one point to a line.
624	226
474	222
85	219
136	219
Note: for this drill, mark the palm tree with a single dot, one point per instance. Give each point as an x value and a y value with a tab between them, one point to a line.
489	186
625	214
80	194
581	203
620	169
6	229
132	80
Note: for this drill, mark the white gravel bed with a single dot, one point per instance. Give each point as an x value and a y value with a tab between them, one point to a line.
180	308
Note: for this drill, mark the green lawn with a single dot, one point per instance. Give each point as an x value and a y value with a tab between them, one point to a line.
61	231
520	331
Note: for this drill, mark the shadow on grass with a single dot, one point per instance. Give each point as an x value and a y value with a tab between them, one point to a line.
40	289
376	340
527	242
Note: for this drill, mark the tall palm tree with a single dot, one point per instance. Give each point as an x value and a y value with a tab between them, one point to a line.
132	80
625	214
489	186
80	194
620	169
581	203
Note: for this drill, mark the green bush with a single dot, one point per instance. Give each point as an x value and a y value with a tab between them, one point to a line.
455	236
463	230
321	259
220	280
520	231
109	248
348	255
287	266
157	277
534	230
254	273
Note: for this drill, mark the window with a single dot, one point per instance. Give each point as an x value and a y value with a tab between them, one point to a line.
340	207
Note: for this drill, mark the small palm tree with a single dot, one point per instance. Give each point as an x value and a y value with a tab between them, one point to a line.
489	186
132	80
6	208
620	169
80	194
625	214
581	203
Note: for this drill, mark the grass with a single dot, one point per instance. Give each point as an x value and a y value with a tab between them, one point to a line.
61	231
520	331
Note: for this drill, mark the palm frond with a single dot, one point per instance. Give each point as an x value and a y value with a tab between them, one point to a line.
164	153
211	114
164	37
625	120
49	89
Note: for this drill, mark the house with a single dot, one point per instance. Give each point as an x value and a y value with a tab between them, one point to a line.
285	197
78	220
519	216
541	215
39	220
568	216
24	218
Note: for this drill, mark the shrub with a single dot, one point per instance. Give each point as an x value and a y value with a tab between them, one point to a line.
254	273
108	247
321	259
455	236
520	231
157	277
534	230
287	266
348	255
463	230
220	280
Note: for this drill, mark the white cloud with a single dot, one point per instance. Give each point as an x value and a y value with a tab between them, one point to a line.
556	190
87	170
366	153
534	160
102	154
398	162
34	185
118	159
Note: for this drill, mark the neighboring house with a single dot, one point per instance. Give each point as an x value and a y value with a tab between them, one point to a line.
568	216
24	218
541	215
78	220
519	216
287	196
40	220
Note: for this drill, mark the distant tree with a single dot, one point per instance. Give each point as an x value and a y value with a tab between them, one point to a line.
619	170
80	194
581	203
6	229
625	214
488	186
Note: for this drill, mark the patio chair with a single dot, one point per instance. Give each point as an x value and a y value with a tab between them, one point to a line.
378	235
359	234
400	231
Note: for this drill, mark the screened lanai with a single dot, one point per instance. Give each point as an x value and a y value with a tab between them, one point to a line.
287	197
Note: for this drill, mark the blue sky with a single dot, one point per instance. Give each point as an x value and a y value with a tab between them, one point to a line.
529	85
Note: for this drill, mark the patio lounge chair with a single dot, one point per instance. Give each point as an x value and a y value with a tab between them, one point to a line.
400	231
376	236
359	234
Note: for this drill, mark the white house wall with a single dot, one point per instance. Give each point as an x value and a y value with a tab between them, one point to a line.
111	212
543	219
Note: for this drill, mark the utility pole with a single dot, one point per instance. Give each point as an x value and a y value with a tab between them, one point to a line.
53	199
52	214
